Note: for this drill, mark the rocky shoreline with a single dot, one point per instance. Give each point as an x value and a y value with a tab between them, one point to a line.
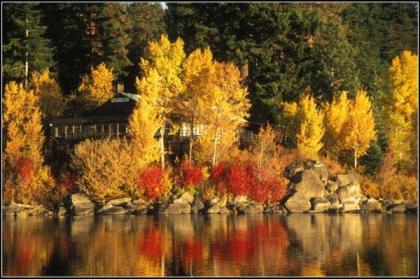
312	188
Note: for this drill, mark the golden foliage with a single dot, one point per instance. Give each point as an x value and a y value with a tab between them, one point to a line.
289	120
335	116
105	169
96	88
311	127
369	187
226	110
402	105
359	130
49	93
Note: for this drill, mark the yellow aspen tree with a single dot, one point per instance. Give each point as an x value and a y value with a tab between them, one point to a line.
96	88
145	121
24	139
49	93
228	106
199	78
163	62
359	130
311	127
335	116
402	105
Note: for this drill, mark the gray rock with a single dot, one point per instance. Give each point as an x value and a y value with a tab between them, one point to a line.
350	207
214	201
298	203
224	210
322	171
79	204
398	208
139	202
179	206
197	206
350	193
320	205
112	210
308	184
119	202
292	169
188	197
371	205
215	209
331	186
346	179
254	208
240	200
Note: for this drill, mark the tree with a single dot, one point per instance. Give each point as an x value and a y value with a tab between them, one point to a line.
145	121
23	157
163	64
311	127
226	110
96	88
147	20
401	107
49	93
359	130
289	121
25	47
199	78
335	117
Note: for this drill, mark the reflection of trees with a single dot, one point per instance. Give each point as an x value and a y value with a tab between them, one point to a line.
216	245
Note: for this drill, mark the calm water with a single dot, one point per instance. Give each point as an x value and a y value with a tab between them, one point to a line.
298	244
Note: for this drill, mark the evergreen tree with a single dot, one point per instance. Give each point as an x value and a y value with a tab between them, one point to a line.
147	22
25	46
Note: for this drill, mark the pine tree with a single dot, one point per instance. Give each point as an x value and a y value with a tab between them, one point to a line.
359	130
336	115
401	107
311	127
49	93
163	63
148	24
25	46
199	78
96	88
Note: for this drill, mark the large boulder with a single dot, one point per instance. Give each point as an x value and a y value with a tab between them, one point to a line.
298	203
80	205
109	209
307	183
217	205
120	202
346	179
351	193
371	205
188	197
410	207
179	206
350	207
197	206
254	208
322	171
140	207
320	204
293	168
398	208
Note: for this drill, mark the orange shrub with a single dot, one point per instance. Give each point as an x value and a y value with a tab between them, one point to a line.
153	182
190	175
369	187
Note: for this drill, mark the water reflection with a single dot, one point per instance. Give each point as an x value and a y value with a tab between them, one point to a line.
216	245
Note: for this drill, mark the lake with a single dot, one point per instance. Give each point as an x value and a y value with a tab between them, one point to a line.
214	245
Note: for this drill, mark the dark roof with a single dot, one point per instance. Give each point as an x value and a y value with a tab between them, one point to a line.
121	104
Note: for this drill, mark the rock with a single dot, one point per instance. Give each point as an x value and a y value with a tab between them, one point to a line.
298	203
180	206
346	179
112	210
254	208
371	205
197	206
14	208
80	205
292	169
215	209
320	205
140	202
322	171
350	193
398	208
119	202
410	207
308	184
188	197
214	201
240	200
141	209
331	186
224	210
350	207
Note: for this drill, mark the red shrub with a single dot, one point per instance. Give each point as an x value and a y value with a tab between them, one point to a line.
68	182
25	169
153	182
190	175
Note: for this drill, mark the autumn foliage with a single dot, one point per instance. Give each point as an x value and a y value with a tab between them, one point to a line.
153	182
190	175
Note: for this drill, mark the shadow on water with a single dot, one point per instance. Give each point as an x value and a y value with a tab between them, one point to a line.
213	245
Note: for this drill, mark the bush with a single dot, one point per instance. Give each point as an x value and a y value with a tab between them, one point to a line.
105	169
153	182
190	175
369	187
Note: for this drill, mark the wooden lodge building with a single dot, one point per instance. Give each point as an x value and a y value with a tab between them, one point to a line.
110	120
